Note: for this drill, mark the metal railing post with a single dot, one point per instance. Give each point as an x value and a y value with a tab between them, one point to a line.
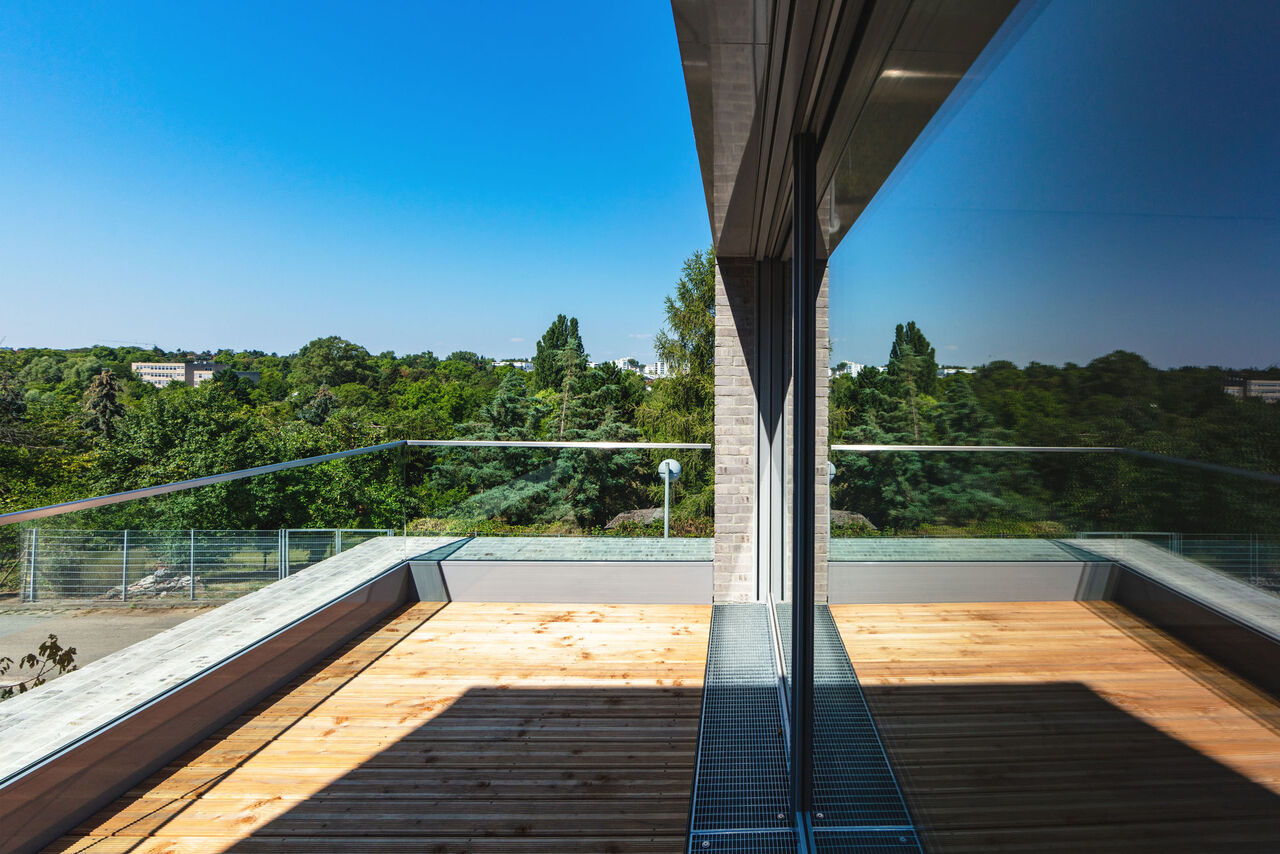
1255	576
35	543
666	508
124	567
191	566
337	541
288	566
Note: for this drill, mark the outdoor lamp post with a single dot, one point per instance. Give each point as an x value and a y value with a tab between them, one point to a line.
669	471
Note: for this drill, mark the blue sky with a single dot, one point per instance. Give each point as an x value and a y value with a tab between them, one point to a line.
414	176
410	176
1113	182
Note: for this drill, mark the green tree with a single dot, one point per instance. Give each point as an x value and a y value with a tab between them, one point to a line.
331	361
318	409
924	366
102	404
681	406
13	409
688	343
559	350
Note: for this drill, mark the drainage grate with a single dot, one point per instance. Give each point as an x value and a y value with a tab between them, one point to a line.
866	842
751	842
740	800
741	782
853	784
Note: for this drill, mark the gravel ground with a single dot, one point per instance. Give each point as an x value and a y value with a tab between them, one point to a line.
93	631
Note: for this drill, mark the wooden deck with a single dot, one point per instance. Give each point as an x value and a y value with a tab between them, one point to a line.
1065	727
483	728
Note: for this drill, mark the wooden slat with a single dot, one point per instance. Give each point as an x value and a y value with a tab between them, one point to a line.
1066	726
479	728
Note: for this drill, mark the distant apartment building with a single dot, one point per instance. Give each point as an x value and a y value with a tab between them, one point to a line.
160	374
651	371
656	370
1267	390
518	364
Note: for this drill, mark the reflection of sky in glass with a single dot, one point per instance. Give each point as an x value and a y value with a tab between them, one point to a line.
1113	184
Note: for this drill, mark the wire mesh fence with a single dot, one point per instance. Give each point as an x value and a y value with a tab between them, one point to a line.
149	565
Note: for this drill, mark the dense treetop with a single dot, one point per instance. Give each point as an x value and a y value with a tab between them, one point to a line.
75	423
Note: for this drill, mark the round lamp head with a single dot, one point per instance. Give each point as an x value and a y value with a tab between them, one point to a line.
669	470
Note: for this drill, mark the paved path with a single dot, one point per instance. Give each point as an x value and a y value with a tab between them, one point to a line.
94	632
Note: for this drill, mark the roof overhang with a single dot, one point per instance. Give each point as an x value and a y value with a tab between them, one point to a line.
864	76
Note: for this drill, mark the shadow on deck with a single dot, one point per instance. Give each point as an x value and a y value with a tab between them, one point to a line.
389	749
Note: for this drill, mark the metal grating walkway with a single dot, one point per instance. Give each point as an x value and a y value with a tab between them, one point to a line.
853	785
741	791
740	798
865	842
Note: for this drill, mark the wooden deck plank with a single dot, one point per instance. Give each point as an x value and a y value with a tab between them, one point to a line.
478	728
1065	726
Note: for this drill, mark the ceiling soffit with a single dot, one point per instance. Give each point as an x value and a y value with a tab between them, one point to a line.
864	76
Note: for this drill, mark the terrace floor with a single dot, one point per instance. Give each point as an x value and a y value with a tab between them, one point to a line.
1065	727
464	727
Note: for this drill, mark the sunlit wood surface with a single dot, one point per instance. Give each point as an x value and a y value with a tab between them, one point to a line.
1066	727
484	727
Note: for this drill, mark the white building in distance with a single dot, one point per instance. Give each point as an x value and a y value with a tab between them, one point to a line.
656	370
160	374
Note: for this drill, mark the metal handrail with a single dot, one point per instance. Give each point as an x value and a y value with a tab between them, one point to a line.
1053	449
607	446
181	485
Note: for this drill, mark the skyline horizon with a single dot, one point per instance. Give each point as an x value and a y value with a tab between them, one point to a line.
172	175
196	353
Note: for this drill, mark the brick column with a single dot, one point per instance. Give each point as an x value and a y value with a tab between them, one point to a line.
735	431
822	411
745	370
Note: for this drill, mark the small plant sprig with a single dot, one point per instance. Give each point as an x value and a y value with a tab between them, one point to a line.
48	658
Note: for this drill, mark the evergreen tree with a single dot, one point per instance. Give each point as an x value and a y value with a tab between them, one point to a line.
102	404
906	418
961	419
966	487
559	349
924	368
511	414
318	409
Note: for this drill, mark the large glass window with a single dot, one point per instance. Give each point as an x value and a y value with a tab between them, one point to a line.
1072	272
